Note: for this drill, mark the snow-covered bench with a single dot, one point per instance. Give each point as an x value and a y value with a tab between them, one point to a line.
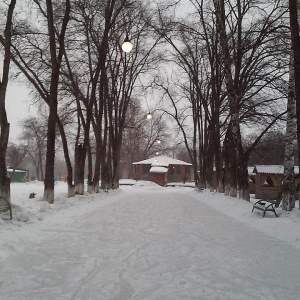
266	205
5	206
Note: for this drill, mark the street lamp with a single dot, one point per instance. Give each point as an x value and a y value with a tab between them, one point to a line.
149	116
127	45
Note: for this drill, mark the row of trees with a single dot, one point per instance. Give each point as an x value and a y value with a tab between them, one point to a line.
142	138
222	66
233	62
70	52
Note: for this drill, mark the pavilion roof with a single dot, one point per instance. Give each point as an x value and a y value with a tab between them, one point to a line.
162	161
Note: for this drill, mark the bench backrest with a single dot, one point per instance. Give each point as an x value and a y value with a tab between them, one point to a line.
276	202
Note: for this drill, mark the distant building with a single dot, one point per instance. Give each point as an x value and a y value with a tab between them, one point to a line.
17	175
162	169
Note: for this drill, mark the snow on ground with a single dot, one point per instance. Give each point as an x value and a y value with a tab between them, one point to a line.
143	241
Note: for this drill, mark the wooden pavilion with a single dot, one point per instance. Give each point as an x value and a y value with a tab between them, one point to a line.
269	179
162	169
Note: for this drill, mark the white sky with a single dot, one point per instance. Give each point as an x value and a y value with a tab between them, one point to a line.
18	107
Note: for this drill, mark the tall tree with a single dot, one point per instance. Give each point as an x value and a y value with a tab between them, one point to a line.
4	125
244	56
294	7
288	190
57	47
34	139
234	134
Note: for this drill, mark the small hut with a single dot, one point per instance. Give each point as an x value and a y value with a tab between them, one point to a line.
269	179
17	175
162	169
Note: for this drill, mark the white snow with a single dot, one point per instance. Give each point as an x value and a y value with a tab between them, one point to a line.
158	170
161	160
272	169
144	241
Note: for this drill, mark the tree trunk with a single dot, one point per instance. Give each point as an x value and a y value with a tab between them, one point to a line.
4	178
236	166
4	125
95	183
56	59
79	169
226	170
244	192
220	171
90	187
288	189
116	162
71	187
50	156
294	7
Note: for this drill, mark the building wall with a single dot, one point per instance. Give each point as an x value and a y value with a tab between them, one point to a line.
159	178
176	173
265	191
17	176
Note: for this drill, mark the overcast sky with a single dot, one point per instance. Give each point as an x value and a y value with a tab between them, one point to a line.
19	102
18	107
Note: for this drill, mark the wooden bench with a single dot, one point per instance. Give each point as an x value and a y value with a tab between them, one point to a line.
5	206
266	205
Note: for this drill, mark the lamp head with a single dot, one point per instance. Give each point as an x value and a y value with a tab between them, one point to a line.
127	45
149	116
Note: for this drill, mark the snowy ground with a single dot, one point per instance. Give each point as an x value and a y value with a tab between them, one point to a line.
146	242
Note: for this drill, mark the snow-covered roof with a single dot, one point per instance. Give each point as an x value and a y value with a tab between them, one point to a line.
16	171
158	170
272	169
161	160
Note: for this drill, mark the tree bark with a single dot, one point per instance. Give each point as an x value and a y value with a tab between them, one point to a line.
288	189
237	166
71	187
294	6
79	168
4	125
56	59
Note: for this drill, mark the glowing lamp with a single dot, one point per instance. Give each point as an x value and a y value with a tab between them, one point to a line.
149	116
127	45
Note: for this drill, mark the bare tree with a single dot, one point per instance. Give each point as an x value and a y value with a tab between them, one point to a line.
15	156
294	6
4	125
142	137
56	53
34	139
198	89
38	54
288	189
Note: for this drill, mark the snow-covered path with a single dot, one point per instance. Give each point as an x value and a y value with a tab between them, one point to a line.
164	244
